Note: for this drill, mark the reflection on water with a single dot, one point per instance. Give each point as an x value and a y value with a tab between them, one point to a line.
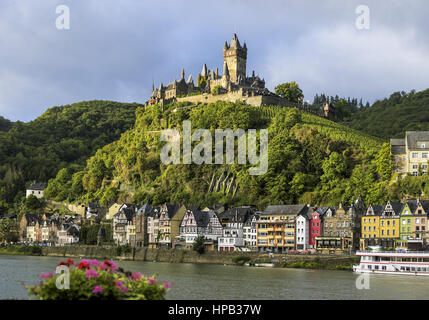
205	281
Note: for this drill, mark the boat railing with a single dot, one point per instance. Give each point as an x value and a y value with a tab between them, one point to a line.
391	252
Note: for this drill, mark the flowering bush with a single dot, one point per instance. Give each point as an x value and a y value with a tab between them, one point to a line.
94	280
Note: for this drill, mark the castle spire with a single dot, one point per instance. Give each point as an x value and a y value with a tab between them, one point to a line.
225	46
225	70
234	42
204	71
183	74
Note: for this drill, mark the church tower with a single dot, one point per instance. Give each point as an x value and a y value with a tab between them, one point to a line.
235	56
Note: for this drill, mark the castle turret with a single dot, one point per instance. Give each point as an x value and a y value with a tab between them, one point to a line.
204	71
225	70
190	80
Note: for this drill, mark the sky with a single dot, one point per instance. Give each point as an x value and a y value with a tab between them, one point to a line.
115	50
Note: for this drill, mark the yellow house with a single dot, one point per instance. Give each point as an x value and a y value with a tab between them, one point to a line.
390	223
370	226
276	231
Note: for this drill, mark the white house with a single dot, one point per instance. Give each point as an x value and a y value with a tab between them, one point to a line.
233	220
68	234
250	233
36	189
302	231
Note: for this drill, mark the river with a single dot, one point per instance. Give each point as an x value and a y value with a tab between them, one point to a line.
211	282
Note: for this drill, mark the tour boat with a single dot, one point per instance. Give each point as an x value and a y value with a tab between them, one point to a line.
401	262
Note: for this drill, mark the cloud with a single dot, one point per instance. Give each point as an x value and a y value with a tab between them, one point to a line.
349	62
114	50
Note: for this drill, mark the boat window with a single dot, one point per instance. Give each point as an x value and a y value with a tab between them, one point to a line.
414	259
407	268
425	259
402	268
369	266
385	258
376	267
413	269
383	267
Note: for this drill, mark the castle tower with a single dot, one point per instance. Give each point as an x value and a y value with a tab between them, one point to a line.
235	56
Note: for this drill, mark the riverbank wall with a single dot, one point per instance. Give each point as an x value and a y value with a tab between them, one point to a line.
308	261
343	262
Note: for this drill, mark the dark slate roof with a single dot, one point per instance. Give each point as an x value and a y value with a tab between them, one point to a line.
171	209
31	217
412	204
397	207
415	136
146	210
377	209
37	186
425	205
288	209
237	214
397	142
322	210
201	217
129	213
249	220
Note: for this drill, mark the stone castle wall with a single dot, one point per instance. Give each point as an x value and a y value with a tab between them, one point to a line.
257	100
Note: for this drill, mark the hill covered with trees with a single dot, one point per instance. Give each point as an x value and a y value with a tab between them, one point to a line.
310	160
391	117
5	124
63	137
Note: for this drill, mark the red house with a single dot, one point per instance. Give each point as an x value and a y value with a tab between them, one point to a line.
316	223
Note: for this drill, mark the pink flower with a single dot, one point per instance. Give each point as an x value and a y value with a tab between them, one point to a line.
91	274
119	285
136	276
94	263
98	289
46	275
109	265
151	281
167	285
123	289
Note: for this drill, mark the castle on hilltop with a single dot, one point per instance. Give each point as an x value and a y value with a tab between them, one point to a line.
233	85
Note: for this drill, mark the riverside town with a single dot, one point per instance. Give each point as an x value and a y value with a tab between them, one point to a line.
214	151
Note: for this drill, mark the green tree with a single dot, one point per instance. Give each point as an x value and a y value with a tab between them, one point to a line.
8	230
334	169
198	245
384	162
289	91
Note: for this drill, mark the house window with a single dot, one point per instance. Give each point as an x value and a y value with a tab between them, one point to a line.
424	154
415	154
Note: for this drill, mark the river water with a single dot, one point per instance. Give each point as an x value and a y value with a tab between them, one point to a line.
212	282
